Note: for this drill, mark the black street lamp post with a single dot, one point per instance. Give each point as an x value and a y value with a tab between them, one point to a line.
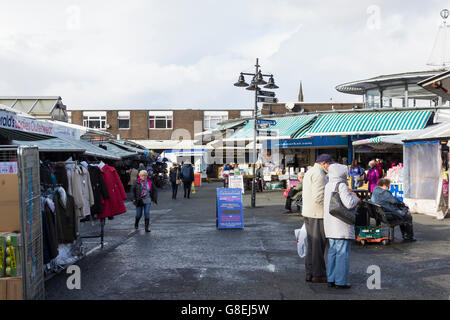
257	80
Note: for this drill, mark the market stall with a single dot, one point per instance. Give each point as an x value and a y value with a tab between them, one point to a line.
425	172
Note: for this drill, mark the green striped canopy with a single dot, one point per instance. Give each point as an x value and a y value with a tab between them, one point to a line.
369	123
286	127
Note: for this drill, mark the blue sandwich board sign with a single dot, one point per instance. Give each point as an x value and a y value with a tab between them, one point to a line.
229	209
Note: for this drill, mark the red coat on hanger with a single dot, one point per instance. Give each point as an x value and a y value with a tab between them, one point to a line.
113	205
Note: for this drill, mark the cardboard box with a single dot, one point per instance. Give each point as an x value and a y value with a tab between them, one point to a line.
3	286
14	288
9	187
9	203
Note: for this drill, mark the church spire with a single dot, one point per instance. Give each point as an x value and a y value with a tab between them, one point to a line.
300	93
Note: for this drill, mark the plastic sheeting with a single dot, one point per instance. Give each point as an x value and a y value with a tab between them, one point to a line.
423	177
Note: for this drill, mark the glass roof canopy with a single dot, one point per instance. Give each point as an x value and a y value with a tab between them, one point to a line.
386	82
395	90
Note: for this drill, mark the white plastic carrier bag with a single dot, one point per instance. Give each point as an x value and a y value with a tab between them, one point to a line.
302	244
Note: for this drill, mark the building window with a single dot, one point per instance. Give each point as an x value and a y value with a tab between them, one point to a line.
94	119
246	114
212	118
124	119
160	119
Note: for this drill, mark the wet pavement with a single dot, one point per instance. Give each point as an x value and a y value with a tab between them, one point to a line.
186	257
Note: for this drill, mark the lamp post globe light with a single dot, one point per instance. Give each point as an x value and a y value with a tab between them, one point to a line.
257	80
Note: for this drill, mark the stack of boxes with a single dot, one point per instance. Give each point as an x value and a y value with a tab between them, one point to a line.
10	244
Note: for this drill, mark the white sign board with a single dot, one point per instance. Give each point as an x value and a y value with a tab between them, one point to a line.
236	182
14	122
8	167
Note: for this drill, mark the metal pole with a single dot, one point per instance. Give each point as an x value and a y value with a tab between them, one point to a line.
254	139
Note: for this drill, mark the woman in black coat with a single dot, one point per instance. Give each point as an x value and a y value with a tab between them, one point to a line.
144	193
174	177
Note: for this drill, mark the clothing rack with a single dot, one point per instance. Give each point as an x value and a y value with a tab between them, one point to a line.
102	220
101	235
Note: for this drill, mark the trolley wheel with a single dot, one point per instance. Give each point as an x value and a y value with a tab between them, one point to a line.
363	242
385	242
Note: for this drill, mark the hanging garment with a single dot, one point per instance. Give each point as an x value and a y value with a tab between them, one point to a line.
133	176
69	172
49	241
66	219
61	175
114	204
47	178
82	191
99	189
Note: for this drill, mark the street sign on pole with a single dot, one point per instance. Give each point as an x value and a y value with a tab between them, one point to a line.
266	93
265	121
266	99
266	133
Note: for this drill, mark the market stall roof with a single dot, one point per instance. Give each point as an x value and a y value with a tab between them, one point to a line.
93	150
185	152
22	135
116	150
128	147
51	145
378	122
436	132
157	144
84	131
396	139
438	84
286	127
230	124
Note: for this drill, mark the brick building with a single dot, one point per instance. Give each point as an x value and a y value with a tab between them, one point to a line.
172	124
145	124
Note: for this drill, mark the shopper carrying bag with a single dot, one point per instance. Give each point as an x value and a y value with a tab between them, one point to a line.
144	193
339	232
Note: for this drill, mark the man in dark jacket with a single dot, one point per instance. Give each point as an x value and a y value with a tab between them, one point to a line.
382	197
187	176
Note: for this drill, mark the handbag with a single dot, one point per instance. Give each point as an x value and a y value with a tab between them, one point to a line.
338	210
178	181
140	203
359	181
286	193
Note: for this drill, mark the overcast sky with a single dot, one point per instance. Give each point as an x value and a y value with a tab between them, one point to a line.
163	54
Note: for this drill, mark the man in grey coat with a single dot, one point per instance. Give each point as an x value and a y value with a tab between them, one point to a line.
314	183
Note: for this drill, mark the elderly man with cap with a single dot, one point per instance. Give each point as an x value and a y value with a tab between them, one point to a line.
314	183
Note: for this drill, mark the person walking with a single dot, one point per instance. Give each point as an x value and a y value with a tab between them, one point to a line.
340	235
143	195
378	163
209	172
141	167
356	174
259	177
314	183
187	176
373	175
294	194
175	180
